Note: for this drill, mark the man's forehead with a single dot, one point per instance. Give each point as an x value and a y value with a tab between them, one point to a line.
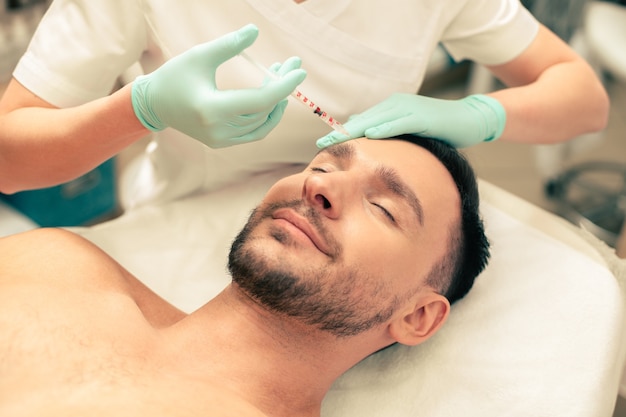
343	150
380	150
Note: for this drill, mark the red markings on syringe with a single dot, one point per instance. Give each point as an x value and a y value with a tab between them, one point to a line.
316	109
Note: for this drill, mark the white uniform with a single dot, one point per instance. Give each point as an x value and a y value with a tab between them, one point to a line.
356	54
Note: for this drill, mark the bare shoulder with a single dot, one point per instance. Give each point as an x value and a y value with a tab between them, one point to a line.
57	257
41	254
42	238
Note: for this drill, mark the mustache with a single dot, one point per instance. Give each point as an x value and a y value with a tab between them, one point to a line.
311	215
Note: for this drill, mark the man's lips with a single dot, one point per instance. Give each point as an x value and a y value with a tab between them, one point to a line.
304	226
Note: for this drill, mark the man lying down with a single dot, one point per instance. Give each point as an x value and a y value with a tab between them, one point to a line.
367	247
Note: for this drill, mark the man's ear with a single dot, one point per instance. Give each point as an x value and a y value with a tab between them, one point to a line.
420	321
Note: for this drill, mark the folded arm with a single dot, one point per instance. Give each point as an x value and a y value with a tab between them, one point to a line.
553	95
41	145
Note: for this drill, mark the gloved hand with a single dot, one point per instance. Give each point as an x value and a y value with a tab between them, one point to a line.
461	123
182	94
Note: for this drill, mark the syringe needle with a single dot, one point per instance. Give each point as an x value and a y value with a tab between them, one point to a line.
325	117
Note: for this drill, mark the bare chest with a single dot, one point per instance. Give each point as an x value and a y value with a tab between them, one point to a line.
95	356
57	346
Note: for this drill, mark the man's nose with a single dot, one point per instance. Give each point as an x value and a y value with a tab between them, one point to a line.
326	193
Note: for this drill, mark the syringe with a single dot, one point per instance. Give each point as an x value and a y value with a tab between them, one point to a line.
325	117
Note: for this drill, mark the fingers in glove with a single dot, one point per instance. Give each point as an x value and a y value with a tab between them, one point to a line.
264	98
227	46
290	64
279	70
264	129
395	127
334	138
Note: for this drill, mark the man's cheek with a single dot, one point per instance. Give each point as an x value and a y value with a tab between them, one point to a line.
288	188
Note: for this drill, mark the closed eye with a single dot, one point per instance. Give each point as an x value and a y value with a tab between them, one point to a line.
385	212
318	169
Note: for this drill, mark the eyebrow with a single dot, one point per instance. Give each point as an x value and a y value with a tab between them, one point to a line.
343	151
394	183
388	175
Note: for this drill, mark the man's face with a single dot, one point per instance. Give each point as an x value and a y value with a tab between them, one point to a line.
346	242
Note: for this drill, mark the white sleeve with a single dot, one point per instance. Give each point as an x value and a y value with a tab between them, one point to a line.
80	48
490	32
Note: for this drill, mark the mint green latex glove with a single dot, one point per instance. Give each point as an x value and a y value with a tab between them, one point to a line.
461	123
182	94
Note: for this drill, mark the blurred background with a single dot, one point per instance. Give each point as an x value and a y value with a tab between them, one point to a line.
583	180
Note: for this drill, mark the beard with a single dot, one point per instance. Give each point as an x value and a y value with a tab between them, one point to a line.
307	293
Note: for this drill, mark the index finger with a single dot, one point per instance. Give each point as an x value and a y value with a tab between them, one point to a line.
254	100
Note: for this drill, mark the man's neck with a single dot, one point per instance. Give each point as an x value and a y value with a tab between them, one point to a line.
275	363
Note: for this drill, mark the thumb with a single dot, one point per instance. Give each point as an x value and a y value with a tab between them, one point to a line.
227	46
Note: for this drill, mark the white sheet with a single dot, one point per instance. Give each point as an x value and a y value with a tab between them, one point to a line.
540	334
12	221
533	337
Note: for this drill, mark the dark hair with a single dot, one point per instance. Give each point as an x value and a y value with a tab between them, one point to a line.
468	251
